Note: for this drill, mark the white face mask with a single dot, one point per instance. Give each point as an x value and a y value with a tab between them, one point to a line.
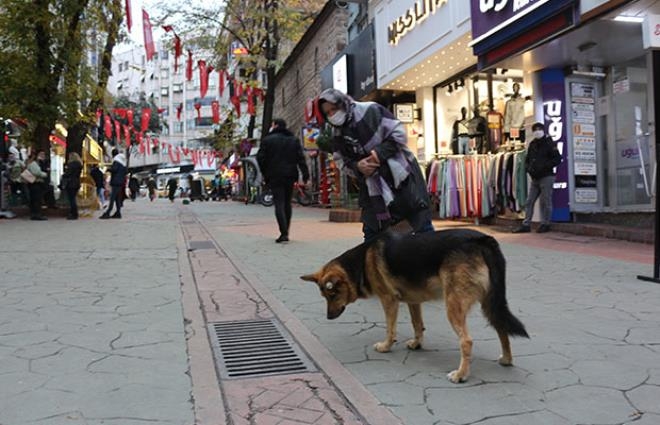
338	118
538	134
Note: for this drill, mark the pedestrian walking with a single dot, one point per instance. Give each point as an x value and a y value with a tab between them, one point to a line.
151	187
37	186
172	186
133	187
280	157
372	146
71	184
540	162
99	182
118	172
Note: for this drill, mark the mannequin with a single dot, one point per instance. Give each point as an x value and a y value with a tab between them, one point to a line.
477	132
460	134
514	114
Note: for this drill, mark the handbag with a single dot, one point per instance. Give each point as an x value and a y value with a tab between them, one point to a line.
27	176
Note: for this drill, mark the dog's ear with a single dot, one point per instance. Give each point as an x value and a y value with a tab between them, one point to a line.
310	277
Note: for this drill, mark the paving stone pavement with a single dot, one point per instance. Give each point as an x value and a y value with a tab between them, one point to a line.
95	316
594	352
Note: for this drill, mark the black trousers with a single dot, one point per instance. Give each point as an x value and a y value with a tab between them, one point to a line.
115	194
72	193
36	198
282	200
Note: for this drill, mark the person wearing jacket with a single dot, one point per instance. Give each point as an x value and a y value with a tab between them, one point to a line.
74	167
280	157
372	146
118	172
99	182
540	162
37	188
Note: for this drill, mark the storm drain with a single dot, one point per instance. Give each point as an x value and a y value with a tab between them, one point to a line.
256	348
195	245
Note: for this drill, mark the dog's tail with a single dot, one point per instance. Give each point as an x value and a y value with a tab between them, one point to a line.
495	306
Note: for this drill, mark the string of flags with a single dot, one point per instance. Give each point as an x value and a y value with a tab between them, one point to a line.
238	90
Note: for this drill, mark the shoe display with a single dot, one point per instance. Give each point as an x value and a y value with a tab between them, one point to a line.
544	228
281	239
522	229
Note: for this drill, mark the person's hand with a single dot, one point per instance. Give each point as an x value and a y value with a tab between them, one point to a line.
367	166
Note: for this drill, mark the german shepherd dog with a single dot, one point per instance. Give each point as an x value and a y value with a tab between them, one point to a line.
462	266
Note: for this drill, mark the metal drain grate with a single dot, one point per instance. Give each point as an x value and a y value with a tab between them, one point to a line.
256	348
195	245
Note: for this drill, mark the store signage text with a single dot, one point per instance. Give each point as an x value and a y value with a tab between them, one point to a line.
486	6
413	16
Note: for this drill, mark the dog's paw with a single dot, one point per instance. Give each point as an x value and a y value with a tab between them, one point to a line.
382	347
455	378
414	344
505	361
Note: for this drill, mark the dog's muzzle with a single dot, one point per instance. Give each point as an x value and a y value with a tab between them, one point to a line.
334	314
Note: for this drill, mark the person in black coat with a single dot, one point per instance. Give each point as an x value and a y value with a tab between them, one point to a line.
99	182
280	157
71	184
118	172
540	162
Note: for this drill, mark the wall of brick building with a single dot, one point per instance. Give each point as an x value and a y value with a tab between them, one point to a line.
300	79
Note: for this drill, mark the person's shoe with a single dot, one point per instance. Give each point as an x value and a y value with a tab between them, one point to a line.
116	215
543	228
522	229
105	216
281	239
39	218
71	217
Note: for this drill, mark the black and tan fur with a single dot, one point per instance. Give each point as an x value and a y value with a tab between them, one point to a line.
462	266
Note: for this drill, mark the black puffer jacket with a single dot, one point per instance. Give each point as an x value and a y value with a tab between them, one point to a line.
73	170
280	156
542	158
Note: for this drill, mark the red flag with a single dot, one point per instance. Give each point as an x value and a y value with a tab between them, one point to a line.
222	81
120	112
237	105
129	21
215	108
198	106
107	127
239	89
129	117
177	46
117	131
144	120
203	78
127	135
189	66
148	36
168	28
140	142
178	111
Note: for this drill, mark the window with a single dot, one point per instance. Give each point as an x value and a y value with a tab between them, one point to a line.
164	73
204	122
125	65
164	91
177	88
164	55
178	127
120	66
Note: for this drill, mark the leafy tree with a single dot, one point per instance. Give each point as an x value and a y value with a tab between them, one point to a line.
266	29
45	77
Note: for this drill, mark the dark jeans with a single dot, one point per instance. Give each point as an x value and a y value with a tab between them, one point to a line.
36	198
72	193
282	200
115	200
420	222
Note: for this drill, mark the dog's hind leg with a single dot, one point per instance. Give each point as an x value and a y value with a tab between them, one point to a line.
418	326
506	359
391	308
457	309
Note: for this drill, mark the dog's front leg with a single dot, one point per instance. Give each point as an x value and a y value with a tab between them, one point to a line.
391	307
418	326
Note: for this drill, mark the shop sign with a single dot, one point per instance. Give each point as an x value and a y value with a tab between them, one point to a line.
404	112
309	136
553	93
587	130
413	16
489	16
651	32
585	168
584	143
340	75
585	155
586	196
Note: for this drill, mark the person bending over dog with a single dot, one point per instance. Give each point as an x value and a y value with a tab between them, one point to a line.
372	146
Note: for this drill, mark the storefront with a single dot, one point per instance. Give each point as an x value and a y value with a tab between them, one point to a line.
588	74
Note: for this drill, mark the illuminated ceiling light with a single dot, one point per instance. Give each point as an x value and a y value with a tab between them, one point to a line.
631	19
